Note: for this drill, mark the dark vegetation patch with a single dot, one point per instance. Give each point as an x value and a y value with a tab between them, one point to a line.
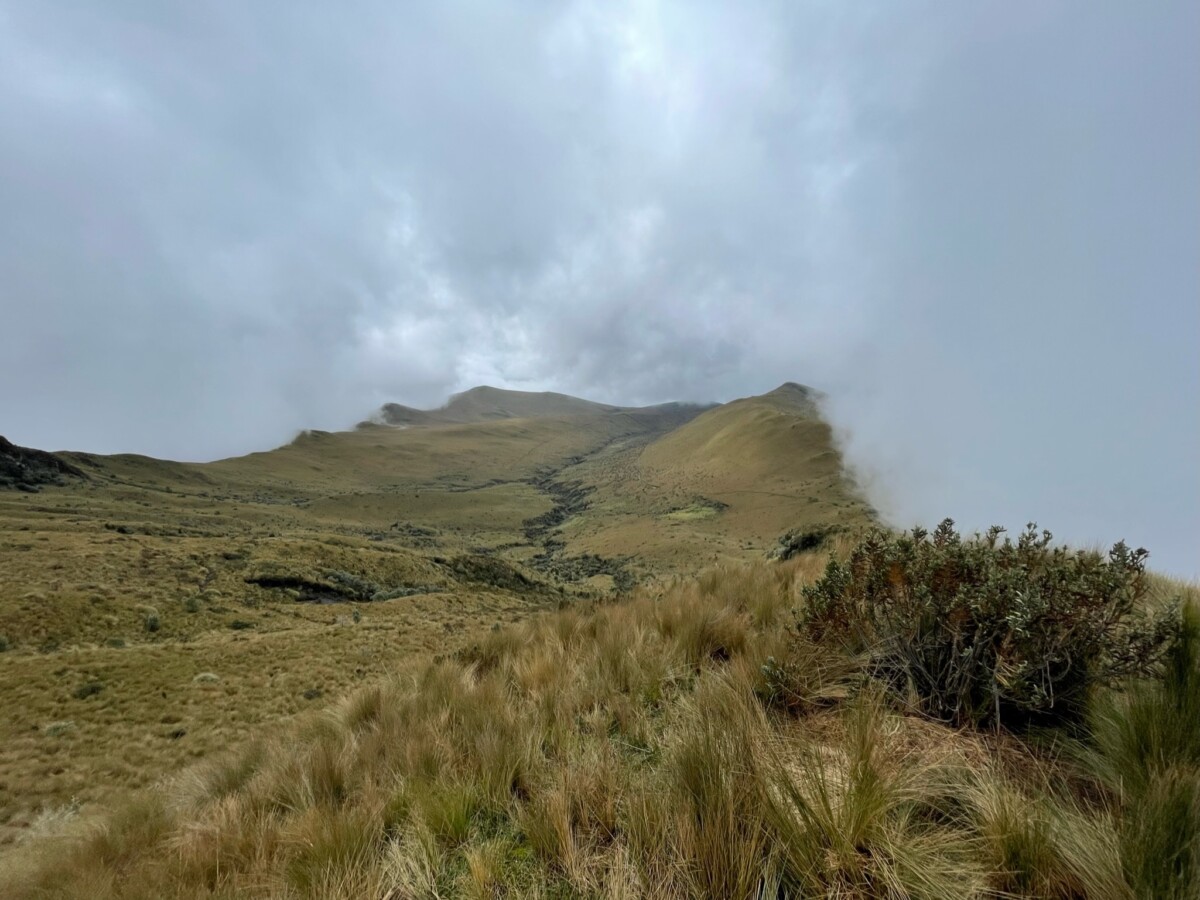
415	535
490	571
88	689
26	469
335	586
570	499
802	540
580	568
310	590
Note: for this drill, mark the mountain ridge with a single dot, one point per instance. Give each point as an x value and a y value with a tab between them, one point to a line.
484	402
291	574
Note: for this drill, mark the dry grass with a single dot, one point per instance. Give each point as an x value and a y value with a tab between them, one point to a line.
132	644
613	750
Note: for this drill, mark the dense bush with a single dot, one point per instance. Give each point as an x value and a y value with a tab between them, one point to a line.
988	632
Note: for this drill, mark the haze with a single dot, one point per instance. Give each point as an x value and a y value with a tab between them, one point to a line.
975	226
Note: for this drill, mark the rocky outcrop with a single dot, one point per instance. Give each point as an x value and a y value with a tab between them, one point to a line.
25	469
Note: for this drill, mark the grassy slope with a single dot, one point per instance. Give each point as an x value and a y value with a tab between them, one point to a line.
723	486
625	750
84	567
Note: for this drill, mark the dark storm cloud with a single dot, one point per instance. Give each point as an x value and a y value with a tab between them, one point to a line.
974	225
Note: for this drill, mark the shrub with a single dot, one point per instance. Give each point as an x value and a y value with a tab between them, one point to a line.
4	643
352	586
983	632
802	540
151	622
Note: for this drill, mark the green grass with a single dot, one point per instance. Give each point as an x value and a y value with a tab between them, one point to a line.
1145	747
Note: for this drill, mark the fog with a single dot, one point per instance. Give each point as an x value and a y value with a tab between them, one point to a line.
976	227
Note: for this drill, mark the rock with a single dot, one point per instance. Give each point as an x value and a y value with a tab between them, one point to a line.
25	469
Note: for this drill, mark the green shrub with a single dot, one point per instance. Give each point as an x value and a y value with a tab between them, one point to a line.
4	643
351	586
983	632
151	622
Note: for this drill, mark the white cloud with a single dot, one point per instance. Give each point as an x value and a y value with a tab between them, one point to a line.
975	227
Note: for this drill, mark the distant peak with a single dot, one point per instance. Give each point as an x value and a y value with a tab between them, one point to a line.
791	387
487	390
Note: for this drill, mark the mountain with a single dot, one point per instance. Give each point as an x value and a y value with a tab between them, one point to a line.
487	719
485	403
189	604
482	404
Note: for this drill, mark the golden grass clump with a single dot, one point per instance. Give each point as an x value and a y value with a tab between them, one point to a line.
635	749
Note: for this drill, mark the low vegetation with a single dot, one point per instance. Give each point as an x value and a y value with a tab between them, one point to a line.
723	737
988	632
299	574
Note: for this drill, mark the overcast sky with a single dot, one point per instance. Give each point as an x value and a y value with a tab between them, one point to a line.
975	225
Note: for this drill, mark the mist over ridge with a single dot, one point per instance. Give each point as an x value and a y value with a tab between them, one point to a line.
974	230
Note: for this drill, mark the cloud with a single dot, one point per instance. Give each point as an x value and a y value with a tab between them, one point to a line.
974	227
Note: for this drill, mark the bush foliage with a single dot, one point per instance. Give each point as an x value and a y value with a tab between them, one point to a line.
985	631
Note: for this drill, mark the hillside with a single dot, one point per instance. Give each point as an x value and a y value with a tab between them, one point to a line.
140	597
548	654
684	743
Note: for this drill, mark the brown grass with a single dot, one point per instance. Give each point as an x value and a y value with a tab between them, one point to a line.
616	749
133	585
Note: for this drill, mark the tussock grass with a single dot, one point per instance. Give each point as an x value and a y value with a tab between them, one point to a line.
651	748
1146	749
150	573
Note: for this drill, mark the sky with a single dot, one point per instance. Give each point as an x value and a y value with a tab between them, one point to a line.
975	226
